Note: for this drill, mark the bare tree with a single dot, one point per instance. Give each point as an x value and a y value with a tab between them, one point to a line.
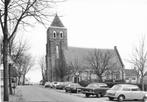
27	64
100	62
139	60
18	51
10	66
43	68
75	65
14	13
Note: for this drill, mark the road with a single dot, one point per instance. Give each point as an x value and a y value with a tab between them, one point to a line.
41	94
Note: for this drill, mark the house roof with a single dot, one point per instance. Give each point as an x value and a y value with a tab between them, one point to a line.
130	72
79	56
57	22
118	55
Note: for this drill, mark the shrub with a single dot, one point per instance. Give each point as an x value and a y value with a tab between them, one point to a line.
110	84
84	83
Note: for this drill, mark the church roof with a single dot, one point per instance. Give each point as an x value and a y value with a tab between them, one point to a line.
75	55
57	22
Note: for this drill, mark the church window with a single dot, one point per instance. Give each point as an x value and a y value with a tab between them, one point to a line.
54	34
61	34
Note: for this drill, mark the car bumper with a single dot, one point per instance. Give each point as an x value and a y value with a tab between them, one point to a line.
59	87
110	95
88	92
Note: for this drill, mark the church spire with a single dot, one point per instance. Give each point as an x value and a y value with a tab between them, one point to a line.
57	22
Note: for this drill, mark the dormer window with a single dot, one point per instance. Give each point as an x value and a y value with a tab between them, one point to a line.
54	34
61	34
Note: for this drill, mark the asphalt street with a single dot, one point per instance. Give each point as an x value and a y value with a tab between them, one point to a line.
36	93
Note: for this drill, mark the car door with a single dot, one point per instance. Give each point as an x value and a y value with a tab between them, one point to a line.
126	91
136	93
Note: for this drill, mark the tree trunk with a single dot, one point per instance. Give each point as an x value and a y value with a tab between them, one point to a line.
23	82
5	63
142	83
62	79
19	80
100	78
10	86
5	51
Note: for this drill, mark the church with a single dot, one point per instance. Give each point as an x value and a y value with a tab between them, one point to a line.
75	57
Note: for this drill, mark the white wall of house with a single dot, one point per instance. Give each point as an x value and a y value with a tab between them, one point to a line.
131	79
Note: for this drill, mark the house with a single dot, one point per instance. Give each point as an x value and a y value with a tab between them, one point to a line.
75	56
130	76
13	73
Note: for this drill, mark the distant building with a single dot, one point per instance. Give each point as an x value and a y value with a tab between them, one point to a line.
57	38
13	73
131	76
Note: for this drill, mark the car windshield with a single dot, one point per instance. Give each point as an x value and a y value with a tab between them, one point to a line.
116	87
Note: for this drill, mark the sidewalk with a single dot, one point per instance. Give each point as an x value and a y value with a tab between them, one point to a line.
17	97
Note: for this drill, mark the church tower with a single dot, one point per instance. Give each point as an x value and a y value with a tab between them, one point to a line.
56	38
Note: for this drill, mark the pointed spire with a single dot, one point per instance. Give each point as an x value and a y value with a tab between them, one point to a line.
57	22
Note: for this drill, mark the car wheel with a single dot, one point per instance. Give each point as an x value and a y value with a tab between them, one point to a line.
98	95
87	95
121	98
111	98
145	98
66	91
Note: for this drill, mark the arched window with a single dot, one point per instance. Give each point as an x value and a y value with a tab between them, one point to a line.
61	34
54	34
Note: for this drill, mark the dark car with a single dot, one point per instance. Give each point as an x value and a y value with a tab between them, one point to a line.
98	89
73	87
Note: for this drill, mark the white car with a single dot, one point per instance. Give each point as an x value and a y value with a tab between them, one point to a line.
47	84
125	91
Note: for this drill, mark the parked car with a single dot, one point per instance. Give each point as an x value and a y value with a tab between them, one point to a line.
73	87
145	98
60	85
47	84
54	84
98	89
125	91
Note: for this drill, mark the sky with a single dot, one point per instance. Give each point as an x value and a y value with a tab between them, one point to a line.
94	24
